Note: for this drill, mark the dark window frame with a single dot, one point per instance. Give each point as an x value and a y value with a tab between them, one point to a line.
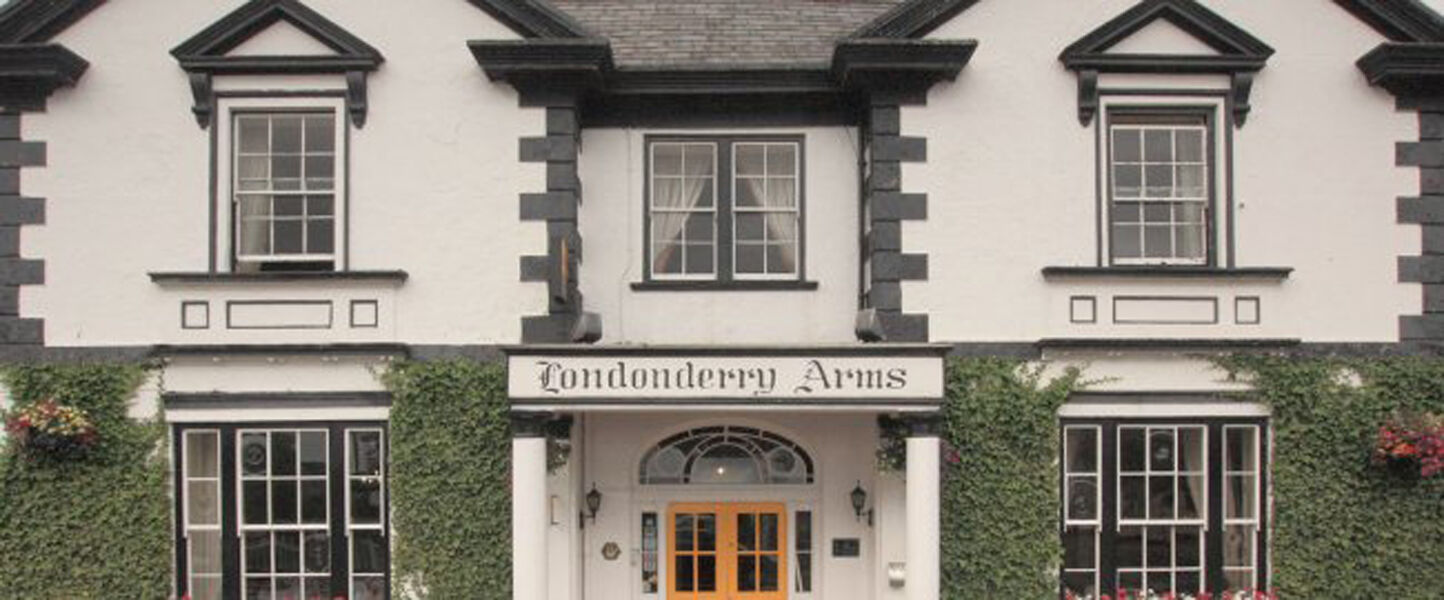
1213	537
231	551
724	277
1177	114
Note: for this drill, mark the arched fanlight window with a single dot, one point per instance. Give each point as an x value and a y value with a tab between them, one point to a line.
727	455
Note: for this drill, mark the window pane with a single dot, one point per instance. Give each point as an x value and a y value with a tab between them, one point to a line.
1160	450
255	229
1127	145
318	552
699	160
321	205
1158	181
667	193
1189	545
1133	497
286	167
286	135
1128	547
1159	552
804	572
749	259
1158	145
254	134
1080	548
1241	448
320	238
258	552
768	532
290	206
369	551
781	159
1190	242
769	568
283	502
318	587
313	453
1127	181
666	258
288	237
1126	241
782	193
699	259
1157	212
683	569
368	588
1190	181
288	587
320	172
1189	145
700	228
202	454
781	227
706	573
751	159
1238	545
747	532
1131	449
320	133
313	501
781	258
1082	497
254	500
288	551
666	159
649	553
253	168
1160	497
1158	241
1082	449
365	501
748	227
1240	497
684	534
205	551
747	573
749	192
365	452
1193	497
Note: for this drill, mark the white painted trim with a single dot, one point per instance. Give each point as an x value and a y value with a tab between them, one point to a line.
1157	410
249	415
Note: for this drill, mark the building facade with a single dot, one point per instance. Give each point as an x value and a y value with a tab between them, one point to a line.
715	242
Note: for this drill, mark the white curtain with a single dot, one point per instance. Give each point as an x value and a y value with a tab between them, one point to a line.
672	194
1192	455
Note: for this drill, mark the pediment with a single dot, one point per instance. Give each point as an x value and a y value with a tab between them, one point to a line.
1162	37
282	39
1195	38
282	30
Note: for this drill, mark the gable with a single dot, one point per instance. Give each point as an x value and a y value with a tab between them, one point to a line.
282	39
1161	37
256	17
1187	17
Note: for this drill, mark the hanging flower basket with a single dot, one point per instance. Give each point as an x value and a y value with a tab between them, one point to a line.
53	430
1411	445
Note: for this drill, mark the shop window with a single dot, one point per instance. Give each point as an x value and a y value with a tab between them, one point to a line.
1162	506
307	517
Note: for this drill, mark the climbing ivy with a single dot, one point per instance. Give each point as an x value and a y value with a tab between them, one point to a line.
1342	527
450	480
1000	490
91	527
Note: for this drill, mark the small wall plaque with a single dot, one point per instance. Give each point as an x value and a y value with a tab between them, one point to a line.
611	551
846	547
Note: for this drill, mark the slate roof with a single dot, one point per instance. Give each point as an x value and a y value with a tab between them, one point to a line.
723	33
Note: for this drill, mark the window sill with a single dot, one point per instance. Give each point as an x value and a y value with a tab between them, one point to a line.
1167	272
396	277
724	286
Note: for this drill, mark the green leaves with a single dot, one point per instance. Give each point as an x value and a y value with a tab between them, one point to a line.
1000	502
450	479
99	527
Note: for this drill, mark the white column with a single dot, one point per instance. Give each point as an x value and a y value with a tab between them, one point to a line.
528	510
924	542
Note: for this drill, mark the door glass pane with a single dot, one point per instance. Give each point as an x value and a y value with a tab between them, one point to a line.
706	533
769	532
649	553
706	573
747	573
684	534
746	532
768	576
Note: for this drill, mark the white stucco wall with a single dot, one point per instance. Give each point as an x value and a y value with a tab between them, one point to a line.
1011	184
611	223
127	181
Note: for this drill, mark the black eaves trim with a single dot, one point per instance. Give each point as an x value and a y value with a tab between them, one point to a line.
532	19
913	19
215	400
1405	68
34	21
1167	272
1399	20
179	277
29	73
723	286
906	65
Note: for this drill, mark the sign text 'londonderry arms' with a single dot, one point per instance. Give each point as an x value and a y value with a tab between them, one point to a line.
853	377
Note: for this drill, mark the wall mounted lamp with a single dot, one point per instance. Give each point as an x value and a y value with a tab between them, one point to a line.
859	503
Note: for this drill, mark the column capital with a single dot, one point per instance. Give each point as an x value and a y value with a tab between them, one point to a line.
529	424
923	425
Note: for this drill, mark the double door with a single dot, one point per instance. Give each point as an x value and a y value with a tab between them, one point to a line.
727	551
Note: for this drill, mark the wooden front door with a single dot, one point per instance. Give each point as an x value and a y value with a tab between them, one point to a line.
727	551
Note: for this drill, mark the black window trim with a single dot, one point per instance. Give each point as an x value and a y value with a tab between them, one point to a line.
1181	110
725	279
1213	540
230	540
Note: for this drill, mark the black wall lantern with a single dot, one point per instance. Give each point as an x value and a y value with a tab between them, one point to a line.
594	502
859	503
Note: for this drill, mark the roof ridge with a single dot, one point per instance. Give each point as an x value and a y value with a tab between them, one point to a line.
913	18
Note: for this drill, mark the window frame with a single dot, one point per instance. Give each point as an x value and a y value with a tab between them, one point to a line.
1109	520
724	213
338	525
1168	114
225	220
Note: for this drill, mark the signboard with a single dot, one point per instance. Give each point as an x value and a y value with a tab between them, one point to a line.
846	547
791	376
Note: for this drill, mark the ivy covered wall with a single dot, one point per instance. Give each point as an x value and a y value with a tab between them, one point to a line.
92	527
450	480
1344	528
1000	489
